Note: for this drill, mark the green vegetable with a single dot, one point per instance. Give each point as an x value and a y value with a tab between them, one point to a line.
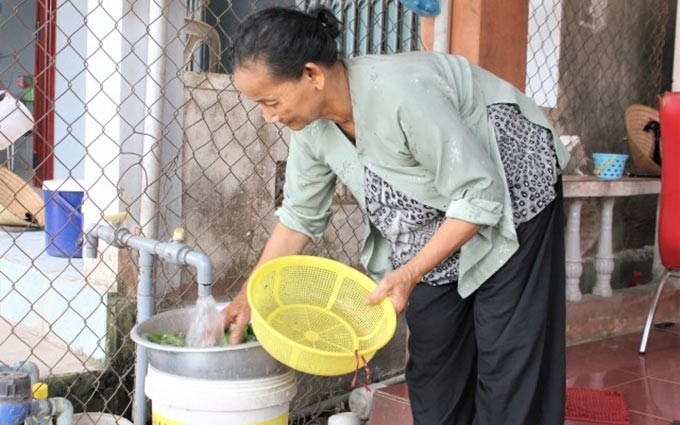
248	336
167	339
178	339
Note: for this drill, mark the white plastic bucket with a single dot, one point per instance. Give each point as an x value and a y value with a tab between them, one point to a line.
98	418
15	119
344	418
176	400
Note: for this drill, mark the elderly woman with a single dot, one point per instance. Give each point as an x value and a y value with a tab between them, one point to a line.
459	176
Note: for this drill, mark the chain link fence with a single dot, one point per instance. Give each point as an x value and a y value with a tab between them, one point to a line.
135	110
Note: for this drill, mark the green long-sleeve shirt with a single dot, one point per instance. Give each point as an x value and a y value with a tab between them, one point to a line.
421	124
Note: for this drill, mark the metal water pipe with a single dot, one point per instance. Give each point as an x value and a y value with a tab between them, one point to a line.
175	252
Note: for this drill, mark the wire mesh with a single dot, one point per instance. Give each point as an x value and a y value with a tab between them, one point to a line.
133	102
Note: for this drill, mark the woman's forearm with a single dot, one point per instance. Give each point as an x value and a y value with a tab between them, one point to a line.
283	241
449	238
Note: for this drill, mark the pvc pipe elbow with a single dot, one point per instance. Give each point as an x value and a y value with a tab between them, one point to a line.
204	269
64	410
91	242
56	406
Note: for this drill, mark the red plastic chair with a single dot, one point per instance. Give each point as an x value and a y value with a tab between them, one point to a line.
669	206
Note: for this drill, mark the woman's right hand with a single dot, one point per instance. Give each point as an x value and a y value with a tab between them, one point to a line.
236	316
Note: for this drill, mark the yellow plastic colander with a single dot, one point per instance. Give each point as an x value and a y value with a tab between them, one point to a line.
308	312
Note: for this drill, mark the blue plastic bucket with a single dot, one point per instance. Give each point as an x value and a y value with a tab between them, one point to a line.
609	166
63	217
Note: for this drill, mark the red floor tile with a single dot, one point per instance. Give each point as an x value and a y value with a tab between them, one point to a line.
391	407
603	379
653	397
663	339
665	366
397	392
642	419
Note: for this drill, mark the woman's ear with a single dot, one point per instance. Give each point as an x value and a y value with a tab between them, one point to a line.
314	75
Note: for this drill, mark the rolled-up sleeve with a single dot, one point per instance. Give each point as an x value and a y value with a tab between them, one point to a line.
307	192
475	210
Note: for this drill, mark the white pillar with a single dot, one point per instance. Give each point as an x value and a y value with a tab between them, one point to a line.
573	260
103	81
442	23
153	122
604	260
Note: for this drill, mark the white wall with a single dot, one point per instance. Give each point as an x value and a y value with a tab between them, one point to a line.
70	100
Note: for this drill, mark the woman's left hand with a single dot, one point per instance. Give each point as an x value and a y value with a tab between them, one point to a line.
397	286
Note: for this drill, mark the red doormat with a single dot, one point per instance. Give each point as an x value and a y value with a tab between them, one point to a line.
596	406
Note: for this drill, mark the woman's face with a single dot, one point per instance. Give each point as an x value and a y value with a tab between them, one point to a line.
293	103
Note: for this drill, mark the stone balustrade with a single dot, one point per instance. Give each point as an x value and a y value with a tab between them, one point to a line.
576	190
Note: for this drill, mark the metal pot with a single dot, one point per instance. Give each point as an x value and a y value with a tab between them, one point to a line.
230	362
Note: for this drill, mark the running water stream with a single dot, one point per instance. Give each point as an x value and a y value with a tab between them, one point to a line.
207	325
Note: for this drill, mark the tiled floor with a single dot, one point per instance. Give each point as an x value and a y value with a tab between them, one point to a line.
650	383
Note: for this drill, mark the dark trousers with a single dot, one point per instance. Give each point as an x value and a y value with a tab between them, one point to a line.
498	356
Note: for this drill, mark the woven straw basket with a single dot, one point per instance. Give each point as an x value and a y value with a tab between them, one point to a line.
640	142
19	198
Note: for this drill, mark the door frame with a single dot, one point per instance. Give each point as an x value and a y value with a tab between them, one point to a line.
44	87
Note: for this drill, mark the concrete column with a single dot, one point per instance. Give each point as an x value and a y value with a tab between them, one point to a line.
102	124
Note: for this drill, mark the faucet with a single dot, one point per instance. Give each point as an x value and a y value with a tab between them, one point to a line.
175	251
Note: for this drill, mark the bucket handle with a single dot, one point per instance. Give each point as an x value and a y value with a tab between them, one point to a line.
63	203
